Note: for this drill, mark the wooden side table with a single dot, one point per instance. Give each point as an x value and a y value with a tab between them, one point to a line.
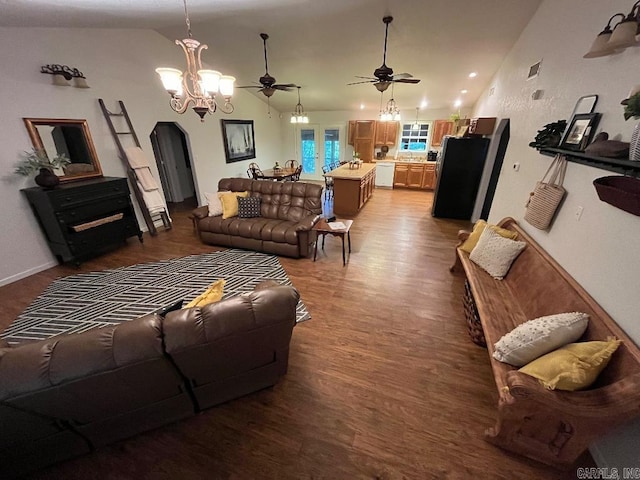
323	229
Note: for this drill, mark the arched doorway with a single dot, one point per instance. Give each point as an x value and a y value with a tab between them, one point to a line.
173	158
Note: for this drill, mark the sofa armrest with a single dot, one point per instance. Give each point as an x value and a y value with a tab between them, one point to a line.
307	222
201	212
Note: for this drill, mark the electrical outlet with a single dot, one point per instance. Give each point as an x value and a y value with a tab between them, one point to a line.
578	213
516	166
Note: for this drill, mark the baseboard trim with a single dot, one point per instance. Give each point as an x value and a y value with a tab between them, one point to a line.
27	273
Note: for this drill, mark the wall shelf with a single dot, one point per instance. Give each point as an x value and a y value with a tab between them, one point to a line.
617	165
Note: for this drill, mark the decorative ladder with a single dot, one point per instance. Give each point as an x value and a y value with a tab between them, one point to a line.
133	180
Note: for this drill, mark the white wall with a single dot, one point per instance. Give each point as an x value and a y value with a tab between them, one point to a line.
600	250
119	65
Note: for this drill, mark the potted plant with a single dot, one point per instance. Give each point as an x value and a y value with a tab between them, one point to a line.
37	161
632	109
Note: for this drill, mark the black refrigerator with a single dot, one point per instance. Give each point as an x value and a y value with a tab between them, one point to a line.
458	171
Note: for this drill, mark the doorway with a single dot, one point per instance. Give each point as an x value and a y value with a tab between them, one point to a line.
318	146
173	158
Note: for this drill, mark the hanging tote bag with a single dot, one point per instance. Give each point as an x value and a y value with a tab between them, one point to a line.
546	196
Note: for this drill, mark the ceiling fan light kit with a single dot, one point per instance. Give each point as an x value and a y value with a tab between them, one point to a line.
196	85
622	35
298	116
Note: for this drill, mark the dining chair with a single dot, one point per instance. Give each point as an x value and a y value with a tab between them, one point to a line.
296	176
328	183
291	164
256	173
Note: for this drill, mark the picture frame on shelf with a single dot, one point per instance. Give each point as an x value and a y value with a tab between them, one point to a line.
239	140
580	131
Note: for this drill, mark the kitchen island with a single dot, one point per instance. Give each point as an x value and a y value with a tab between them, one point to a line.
352	187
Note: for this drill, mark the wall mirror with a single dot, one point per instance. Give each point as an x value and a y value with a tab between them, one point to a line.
71	137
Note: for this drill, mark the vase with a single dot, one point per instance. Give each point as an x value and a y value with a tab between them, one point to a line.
47	179
634	145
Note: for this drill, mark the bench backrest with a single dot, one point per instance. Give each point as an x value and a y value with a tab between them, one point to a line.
542	287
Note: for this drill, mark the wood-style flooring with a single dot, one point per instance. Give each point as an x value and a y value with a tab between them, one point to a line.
383	381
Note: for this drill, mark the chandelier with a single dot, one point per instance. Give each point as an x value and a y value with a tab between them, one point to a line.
391	111
196	85
298	116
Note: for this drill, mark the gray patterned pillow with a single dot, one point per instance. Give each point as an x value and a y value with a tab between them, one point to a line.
249	207
495	254
534	338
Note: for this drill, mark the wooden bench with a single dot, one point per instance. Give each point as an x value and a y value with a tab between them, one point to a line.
551	426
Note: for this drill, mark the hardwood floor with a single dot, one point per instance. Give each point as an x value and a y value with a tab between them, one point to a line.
383	381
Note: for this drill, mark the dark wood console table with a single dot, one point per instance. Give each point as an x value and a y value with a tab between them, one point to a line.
81	219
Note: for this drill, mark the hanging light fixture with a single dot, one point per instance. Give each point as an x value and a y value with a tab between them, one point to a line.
416	124
391	111
622	35
196	85
298	116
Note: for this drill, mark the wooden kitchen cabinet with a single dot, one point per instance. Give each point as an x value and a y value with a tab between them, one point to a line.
352	132
482	126
386	134
440	129
363	134
414	175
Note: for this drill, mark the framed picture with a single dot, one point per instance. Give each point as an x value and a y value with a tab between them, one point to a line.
580	131
239	140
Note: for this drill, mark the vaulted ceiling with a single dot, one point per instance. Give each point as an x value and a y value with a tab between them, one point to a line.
321	45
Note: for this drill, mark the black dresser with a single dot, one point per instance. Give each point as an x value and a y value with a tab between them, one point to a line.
82	219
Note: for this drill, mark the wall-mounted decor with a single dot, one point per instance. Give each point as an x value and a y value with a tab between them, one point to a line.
239	140
56	136
580	131
62	75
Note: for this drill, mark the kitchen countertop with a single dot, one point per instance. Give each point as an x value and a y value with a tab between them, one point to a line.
344	172
404	160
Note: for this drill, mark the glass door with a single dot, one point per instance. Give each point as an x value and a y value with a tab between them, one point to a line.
320	146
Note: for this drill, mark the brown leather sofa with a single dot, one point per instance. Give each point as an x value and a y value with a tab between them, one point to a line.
68	395
288	210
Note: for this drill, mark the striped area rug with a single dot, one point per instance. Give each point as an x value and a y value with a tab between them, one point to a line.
81	302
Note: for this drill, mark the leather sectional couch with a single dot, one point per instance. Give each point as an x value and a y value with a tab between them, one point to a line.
289	210
70	394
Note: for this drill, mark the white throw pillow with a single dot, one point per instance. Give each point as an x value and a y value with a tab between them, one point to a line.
495	254
215	206
534	338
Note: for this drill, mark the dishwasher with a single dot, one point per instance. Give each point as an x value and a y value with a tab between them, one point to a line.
384	174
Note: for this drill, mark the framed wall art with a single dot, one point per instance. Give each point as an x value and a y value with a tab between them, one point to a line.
580	131
239	140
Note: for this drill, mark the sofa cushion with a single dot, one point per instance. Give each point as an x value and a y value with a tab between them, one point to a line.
229	202
214	204
572	367
212	294
471	241
536	337
495	254
249	207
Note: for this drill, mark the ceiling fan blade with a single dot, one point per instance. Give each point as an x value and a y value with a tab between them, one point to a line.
367	78
366	81
250	86
407	80
398	76
282	88
285	85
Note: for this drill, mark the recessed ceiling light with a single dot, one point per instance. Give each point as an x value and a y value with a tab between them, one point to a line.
457	103
463	91
473	75
362	106
424	104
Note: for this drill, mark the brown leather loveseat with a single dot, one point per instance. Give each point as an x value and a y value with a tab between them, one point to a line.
70	394
288	212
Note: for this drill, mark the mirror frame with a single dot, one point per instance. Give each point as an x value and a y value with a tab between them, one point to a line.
36	140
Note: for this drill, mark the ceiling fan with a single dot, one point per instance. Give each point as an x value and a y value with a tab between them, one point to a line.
268	85
383	76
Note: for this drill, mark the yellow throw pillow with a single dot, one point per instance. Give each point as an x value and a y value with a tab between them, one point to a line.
572	367
229	202
211	295
470	243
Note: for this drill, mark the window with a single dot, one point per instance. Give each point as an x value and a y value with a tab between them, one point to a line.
331	146
415	137
308	145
